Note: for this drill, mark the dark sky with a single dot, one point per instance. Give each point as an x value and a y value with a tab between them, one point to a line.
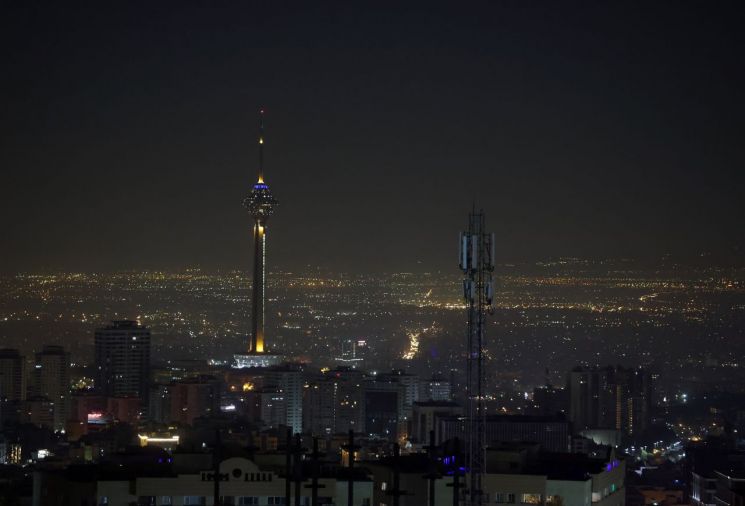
128	133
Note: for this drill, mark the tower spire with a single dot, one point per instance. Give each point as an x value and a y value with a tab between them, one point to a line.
261	145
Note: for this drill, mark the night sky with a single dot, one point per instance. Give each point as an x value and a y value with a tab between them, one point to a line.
128	134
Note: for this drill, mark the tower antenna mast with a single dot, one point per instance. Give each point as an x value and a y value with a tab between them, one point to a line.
261	145
477	263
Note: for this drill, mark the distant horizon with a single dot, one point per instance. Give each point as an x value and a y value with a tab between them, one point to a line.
694	262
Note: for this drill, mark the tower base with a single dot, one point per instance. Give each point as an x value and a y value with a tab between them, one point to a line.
246	360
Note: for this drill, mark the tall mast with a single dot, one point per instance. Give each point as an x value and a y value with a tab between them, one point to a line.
261	145
477	264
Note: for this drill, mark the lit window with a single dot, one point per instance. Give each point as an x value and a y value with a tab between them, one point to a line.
531	499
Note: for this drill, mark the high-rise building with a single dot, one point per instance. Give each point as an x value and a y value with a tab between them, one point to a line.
610	397
552	433
436	389
272	406
384	407
122	354
410	383
715	465
265	405
12	386
586	389
38	411
350	355
549	400
426	416
260	203
319	406
124	409
350	400
52	381
333	403
288	380
12	375
193	398
159	410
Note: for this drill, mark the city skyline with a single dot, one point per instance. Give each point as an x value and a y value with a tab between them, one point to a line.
577	145
571	312
508	266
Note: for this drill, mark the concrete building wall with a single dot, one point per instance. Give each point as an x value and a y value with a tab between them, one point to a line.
522	486
238	478
608	487
572	493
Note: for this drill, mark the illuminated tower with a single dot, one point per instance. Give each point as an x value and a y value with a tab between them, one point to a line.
260	204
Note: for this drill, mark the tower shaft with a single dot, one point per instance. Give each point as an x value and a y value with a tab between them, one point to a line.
259	288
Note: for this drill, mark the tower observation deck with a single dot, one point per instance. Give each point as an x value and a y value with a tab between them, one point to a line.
260	203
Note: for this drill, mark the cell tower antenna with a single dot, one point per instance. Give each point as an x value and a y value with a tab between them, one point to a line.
477	263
